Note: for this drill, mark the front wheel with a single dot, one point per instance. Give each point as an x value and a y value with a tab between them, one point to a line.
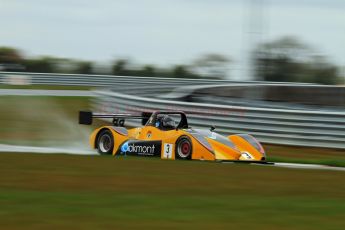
105	142
183	148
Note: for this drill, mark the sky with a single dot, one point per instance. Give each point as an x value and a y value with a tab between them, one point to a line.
166	32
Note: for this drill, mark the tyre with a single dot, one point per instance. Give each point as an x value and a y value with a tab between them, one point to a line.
105	142
183	148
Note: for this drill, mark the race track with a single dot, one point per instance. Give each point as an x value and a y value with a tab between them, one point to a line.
308	166
79	151
48	150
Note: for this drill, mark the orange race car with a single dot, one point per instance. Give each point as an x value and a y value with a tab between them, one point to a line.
166	134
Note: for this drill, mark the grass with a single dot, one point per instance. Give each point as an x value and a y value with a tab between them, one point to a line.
91	192
40	191
326	161
305	155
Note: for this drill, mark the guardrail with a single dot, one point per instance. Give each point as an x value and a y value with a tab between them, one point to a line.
276	126
135	94
97	80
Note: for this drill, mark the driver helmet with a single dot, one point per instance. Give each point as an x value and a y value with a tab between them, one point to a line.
168	122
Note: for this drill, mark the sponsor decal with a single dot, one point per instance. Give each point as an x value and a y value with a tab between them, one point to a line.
167	150
140	148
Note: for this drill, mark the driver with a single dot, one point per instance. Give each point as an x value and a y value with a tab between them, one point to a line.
165	122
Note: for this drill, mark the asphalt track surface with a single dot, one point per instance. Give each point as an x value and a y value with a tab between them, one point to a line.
78	151
48	150
43	92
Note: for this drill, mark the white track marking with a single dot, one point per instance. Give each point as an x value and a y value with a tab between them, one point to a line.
298	166
308	166
48	150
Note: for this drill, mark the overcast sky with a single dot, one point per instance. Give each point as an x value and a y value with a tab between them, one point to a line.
165	32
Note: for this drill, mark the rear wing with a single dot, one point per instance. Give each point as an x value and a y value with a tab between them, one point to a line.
86	117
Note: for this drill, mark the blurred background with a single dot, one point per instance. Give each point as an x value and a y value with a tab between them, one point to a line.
237	60
250	54
290	41
272	69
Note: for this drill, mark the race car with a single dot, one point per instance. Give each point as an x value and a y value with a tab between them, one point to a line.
166	134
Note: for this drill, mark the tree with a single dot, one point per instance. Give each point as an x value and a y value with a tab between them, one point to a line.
180	71
183	71
40	65
321	71
10	55
289	60
212	65
147	71
83	67
120	67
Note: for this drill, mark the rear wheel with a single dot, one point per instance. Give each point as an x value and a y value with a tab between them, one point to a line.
183	148
105	142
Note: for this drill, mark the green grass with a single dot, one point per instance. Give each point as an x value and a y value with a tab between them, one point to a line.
326	161
305	155
91	192
40	191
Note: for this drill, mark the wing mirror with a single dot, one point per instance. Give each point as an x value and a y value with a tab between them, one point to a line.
212	128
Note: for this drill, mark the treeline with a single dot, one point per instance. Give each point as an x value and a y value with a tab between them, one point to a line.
289	60
210	65
283	60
